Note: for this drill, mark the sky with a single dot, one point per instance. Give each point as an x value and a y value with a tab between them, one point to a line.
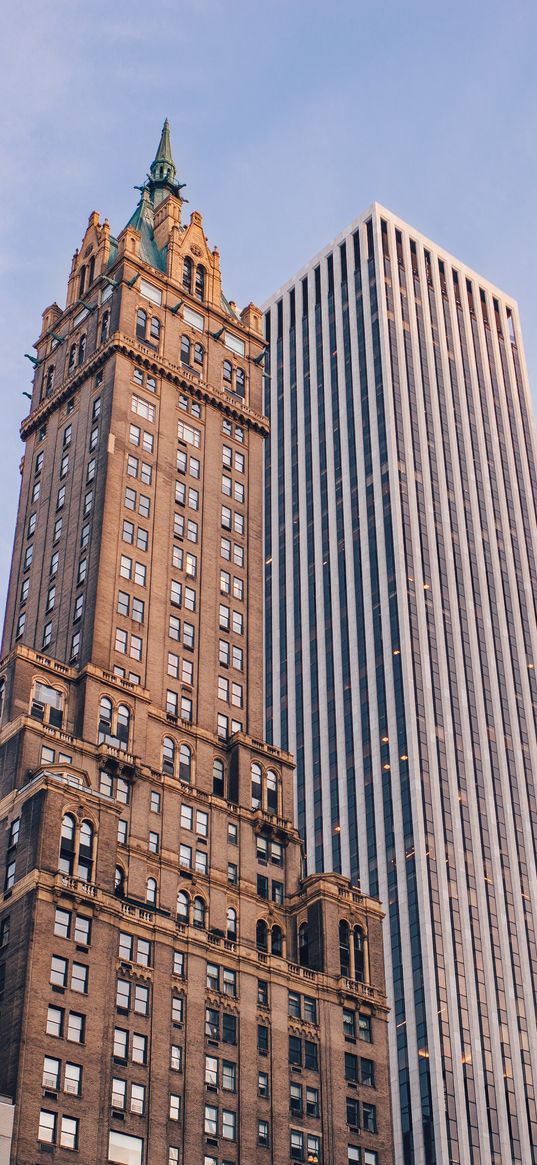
288	118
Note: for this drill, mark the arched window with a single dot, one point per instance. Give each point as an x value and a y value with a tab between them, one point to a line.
198	913
82	282
154	328
141	323
272	792
185	762
303	945
200	283
82	349
123	726
91	271
261	935
85	852
358	945
231	923
105	324
228	374
344	949
105	718
168	756
151	892
239	381
119	882
67	845
257	789
72	359
198	354
187	273
218	777
183	904
2	696
49	384
185	350
276	941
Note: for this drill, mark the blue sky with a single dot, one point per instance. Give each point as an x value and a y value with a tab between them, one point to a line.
288	118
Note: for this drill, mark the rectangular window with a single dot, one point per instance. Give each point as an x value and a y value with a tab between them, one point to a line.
211	1072
51	1072
47	1127
210	1121
75	1027
176	1058
55	1018
229	1125
79	978
72	1080
177	1008
189	434
262	1084
121	1044
262	1039
143	408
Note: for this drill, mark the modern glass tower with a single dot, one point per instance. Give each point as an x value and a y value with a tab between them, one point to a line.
401	645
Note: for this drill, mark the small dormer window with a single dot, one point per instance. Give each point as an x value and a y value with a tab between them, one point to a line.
187	273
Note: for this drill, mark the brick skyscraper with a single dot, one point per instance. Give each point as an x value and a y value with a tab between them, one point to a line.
172	990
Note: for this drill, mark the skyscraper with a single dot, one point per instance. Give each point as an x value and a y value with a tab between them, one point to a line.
401	592
173	991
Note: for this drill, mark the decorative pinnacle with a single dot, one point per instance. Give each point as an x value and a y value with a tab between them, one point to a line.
163	168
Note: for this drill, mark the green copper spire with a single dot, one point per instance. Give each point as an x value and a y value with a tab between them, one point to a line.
163	169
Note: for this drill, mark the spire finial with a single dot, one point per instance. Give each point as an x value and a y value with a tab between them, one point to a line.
163	169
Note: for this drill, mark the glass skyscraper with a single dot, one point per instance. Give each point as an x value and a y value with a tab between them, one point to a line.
401	648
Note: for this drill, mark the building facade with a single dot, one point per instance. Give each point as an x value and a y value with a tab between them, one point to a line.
172	987
401	646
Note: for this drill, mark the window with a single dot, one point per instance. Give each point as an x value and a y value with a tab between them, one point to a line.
369	1118
47	1127
177	1009
351	1067
183	906
262	1084
76	1027
199	910
231	927
229	1028
58	971
79	978
151	892
210	1122
187	273
211	1072
212	1023
179	963
296	1148
199	287
154	801
141	324
233	833
176	1058
229	1125
263	1134
262	1039
365	1028
295	1099
153	842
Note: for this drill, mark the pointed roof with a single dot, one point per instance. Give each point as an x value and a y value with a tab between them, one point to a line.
163	168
